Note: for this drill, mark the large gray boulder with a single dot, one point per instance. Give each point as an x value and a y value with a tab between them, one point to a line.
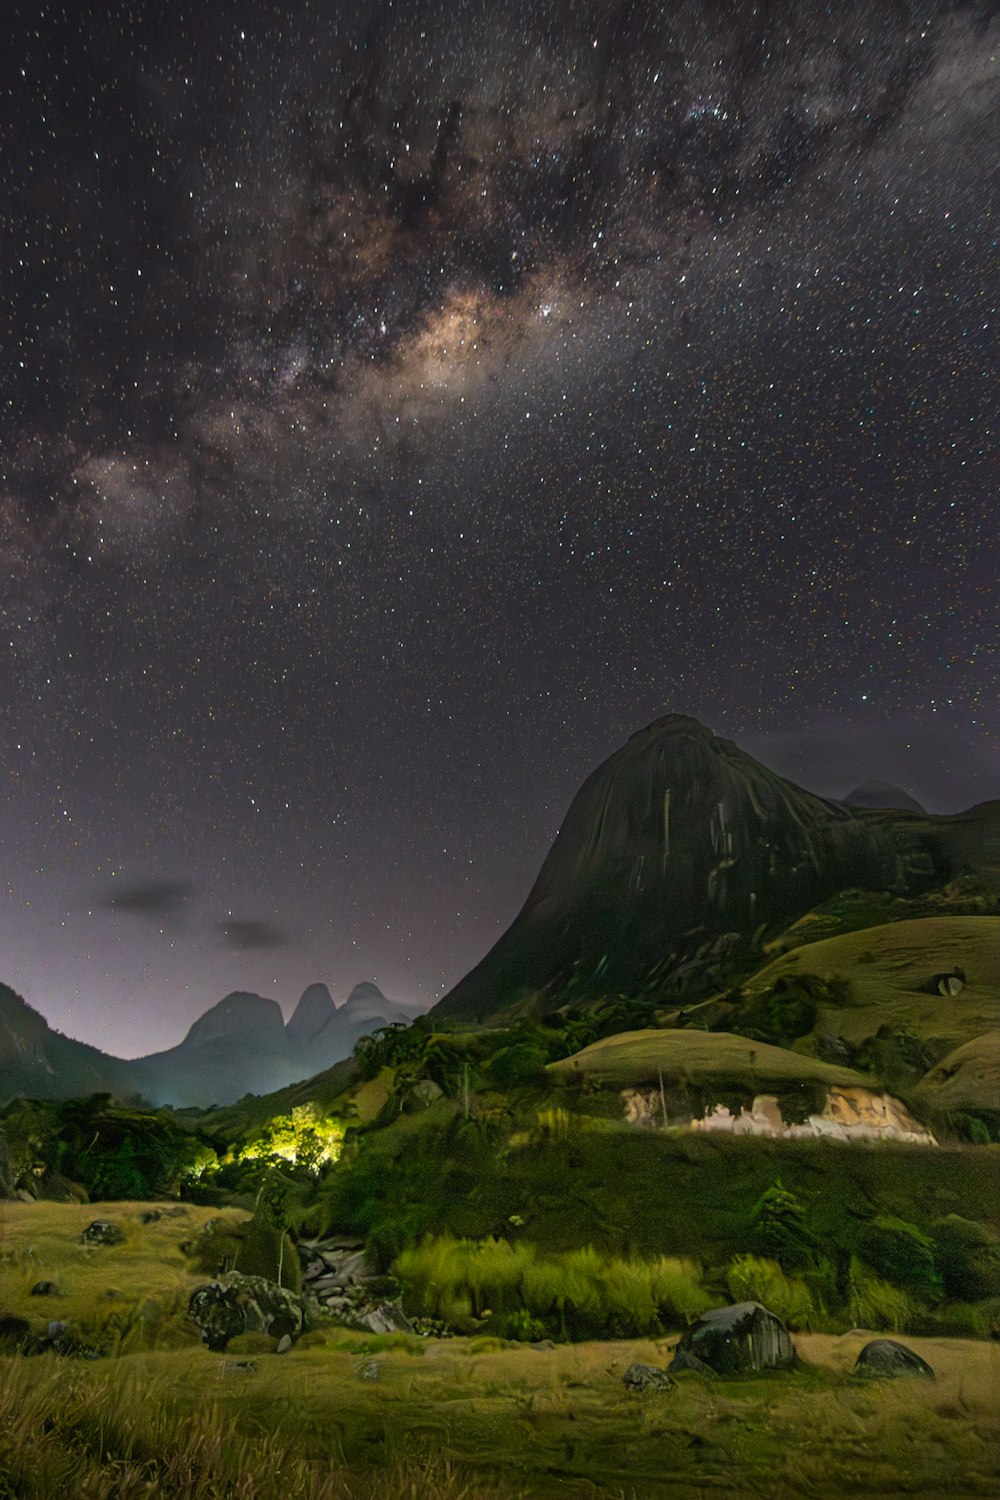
735	1341
885	1357
238	1304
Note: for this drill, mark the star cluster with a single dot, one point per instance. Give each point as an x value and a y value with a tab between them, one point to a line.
404	401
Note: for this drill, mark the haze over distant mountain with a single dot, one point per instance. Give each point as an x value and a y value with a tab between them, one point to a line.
681	850
882	794
240	1045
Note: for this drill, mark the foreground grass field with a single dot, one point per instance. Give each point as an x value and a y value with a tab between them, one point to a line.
342	1417
348	1416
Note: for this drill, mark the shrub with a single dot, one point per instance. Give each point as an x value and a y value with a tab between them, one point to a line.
902	1254
778	1220
967	1257
874	1303
753	1279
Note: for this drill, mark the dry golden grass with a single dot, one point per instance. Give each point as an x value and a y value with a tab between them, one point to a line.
451	1420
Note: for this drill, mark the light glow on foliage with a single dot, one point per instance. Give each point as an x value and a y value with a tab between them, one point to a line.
305	1138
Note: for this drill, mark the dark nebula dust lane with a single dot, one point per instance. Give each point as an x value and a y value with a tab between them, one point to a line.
403	402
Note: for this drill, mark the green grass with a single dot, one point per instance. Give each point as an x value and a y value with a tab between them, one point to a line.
967	1079
886	967
630	1058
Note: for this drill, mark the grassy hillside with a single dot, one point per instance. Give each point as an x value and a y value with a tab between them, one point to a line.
638	1057
968	1078
886	968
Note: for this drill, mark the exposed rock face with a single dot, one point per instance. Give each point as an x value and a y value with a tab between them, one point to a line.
674	853
238	1304
734	1340
882	794
887	1358
337	1273
849	1114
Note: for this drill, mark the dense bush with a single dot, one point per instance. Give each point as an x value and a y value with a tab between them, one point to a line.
903	1255
779	1228
967	1258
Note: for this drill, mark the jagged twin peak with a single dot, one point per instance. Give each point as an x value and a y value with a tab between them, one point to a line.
314	1011
677	847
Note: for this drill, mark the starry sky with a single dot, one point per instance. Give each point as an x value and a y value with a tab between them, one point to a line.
402	402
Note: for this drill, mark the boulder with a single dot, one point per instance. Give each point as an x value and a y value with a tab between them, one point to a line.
103	1232
886	1358
423	1094
246	1304
647	1378
734	1341
950	984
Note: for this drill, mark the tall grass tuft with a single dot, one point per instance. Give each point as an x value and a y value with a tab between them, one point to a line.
875	1304
579	1294
752	1278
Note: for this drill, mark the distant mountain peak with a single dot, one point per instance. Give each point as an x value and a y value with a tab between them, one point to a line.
238	1015
314	1010
876	793
363	994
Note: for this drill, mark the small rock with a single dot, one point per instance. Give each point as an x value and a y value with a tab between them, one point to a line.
45	1289
647	1378
887	1358
371	1370
386	1318
150	1216
103	1232
284	1344
238	1367
544	1344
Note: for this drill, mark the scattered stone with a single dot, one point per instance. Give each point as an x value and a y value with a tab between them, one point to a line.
238	1304
386	1318
647	1378
284	1344
371	1370
735	1340
103	1232
238	1367
887	1358
151	1216
545	1344
24	1196
45	1289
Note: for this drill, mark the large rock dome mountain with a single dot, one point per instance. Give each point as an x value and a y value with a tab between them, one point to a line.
681	849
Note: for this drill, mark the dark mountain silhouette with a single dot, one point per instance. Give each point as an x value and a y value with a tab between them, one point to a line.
41	1063
681	851
882	794
239	1046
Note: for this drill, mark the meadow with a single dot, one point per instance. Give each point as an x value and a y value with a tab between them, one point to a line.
350	1416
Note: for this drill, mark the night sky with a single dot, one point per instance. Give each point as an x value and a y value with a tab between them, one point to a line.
403	403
